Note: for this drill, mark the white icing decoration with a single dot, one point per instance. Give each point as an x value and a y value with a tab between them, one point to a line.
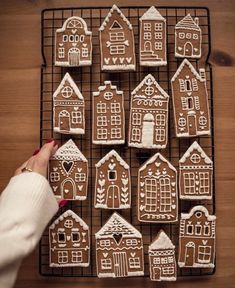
162	241
152	14
198	208
189	23
112	153
197	147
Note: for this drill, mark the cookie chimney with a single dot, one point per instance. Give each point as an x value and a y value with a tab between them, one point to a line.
202	73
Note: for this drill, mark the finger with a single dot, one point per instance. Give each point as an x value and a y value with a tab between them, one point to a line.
46	151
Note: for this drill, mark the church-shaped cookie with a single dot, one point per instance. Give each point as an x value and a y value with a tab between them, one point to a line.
157	191
108	125
196	171
69	241
73	43
119	249
117	45
148	122
112	183
190	101
162	263
153	38
68	108
188	38
68	173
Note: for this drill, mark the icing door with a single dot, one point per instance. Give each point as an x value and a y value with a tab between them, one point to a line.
68	189
188	49
156	273
74	56
189	254
192	129
64	121
113	197
148	131
120	264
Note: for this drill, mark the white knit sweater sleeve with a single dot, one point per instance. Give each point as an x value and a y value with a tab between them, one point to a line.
26	206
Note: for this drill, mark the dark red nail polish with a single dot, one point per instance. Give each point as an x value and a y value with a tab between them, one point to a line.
49	140
36	152
63	202
55	143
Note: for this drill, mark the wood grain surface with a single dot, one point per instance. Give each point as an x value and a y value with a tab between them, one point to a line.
20	59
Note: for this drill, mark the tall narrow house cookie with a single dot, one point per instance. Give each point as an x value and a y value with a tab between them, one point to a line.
196	170
113	182
162	263
68	108
148	122
108	125
197	239
69	240
73	43
68	173
157	191
117	45
119	249
190	101
188	38
153	38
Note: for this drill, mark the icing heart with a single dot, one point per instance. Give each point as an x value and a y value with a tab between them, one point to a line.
84	44
79	169
173	184
112	166
141	184
150	172
142	195
80	187
74	31
173	194
180	48
133	254
61	44
66	190
102	182
67	165
129	59
201	112
74	44
105	255
68	238
157	164
76	108
181	114
197	182
55	168
204	242
173	206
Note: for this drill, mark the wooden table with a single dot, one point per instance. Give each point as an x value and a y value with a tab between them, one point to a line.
19	118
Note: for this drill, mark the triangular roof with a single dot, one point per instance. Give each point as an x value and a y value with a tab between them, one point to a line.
188	22
117	225
195	146
193	70
154	158
102	88
162	241
108	156
62	29
195	209
106	20
150	80
69	151
69	213
152	14
68	78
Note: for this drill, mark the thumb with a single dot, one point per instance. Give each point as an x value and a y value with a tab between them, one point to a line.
47	151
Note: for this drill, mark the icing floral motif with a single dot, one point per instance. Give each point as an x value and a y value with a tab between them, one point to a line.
119	249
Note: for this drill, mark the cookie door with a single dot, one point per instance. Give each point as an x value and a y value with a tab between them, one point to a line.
68	190
64	121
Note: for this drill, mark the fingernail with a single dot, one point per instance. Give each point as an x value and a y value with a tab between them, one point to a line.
55	143
36	152
49	140
63	202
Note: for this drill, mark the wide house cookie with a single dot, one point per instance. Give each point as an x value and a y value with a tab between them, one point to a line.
68	108
69	240
195	174
73	43
153	38
112	183
197	239
162	263
117	45
119	249
190	101
148	124
68	173
108	125
157	191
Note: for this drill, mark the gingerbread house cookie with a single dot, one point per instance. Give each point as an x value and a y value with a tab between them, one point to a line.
113	182
69	241
196	170
190	101
148	115
117	45
68	173
153	38
157	191
119	249
108	125
188	38
197	239
68	108
162	263
73	43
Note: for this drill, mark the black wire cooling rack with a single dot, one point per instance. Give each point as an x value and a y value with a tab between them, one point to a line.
88	79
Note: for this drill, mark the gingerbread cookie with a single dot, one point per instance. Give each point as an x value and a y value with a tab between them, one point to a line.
108	125
197	239
119	249
68	173
73	43
157	191
117	45
162	263
153	39
148	115
196	170
190	101
68	108
113	182
69	241
188	38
